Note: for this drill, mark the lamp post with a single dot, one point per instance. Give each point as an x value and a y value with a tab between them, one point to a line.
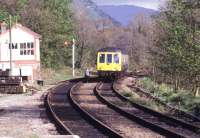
73	58
10	44
66	43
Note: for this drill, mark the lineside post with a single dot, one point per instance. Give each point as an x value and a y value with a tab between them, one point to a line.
10	43
73	58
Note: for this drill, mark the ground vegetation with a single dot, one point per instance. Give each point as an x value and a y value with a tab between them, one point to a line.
176	53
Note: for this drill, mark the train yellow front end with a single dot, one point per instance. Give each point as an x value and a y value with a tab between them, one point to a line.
111	61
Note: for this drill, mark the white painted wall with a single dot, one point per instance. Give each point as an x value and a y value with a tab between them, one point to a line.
19	36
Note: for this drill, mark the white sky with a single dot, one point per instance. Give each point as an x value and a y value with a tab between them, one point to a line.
150	4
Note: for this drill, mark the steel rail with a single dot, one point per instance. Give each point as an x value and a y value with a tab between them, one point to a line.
155	127
52	114
98	124
62	128
189	116
141	121
60	110
186	125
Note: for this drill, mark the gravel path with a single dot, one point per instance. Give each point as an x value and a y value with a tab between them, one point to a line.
24	116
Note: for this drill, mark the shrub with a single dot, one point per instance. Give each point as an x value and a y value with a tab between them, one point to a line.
182	99
194	106
127	94
148	84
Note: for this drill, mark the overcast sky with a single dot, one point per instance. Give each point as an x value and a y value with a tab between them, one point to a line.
150	4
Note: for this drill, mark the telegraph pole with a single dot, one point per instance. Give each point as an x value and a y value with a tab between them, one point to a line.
73	58
10	44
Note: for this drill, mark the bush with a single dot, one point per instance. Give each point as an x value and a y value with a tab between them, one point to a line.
181	99
165	90
127	94
194	106
148	84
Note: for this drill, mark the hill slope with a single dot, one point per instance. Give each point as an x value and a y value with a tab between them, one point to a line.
92	10
125	13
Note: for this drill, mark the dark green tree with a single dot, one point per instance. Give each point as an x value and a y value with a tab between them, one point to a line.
51	19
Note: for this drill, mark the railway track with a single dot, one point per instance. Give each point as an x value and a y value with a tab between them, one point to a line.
158	122
103	117
67	119
173	112
91	109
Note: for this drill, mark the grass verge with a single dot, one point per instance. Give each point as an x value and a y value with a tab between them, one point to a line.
181	99
51	76
143	101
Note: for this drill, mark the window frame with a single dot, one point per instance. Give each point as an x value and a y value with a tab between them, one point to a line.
118	58
14	45
109	58
27	49
100	58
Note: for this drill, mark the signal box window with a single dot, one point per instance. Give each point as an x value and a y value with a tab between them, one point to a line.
14	45
102	58
26	48
116	58
109	58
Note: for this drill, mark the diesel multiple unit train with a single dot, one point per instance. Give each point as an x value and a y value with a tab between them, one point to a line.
112	61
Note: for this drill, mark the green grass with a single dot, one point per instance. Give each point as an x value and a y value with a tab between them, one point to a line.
142	101
126	92
181	99
34	136
53	76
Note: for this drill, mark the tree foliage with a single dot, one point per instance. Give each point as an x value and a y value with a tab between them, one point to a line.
51	19
92	35
177	51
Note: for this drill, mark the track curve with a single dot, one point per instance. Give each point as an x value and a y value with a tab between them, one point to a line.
173	112
68	120
104	128
86	101
152	119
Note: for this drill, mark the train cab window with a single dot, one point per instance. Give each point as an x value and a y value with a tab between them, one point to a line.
116	58
102	58
109	58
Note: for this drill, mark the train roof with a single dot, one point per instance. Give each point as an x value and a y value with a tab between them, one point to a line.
113	49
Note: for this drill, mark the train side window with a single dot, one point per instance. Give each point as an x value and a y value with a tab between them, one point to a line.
109	58
116	58
102	58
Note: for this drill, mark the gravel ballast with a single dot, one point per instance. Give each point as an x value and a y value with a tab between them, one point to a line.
24	116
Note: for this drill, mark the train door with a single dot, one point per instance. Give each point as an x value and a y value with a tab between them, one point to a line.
101	61
108	62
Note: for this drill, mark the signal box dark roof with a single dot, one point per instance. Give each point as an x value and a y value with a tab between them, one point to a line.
113	49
